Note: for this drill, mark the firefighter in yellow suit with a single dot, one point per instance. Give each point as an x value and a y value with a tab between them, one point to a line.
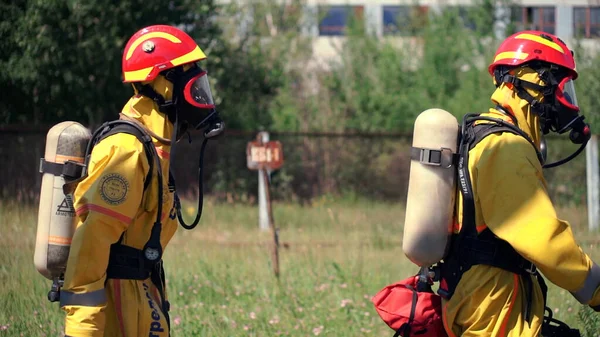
113	203
534	73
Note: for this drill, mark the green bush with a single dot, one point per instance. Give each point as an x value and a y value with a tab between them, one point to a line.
590	321
60	66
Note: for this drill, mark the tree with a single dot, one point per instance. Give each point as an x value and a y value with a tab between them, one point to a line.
62	58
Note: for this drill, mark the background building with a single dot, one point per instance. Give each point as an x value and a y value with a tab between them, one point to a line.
326	20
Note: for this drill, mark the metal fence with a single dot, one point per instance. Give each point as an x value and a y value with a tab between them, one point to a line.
371	165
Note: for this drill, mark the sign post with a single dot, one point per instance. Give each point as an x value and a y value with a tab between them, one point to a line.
593	183
264	156
263	180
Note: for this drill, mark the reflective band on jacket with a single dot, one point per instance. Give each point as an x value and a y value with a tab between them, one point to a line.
585	294
90	299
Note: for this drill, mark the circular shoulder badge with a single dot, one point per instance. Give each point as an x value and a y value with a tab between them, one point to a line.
113	188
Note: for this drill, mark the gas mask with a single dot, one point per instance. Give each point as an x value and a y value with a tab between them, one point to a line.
561	114
559	111
191	106
193	101
566	115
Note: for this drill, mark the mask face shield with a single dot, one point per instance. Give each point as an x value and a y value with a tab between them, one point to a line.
566	94
568	111
559	111
197	92
195	107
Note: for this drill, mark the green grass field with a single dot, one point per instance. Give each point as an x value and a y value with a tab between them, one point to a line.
334	256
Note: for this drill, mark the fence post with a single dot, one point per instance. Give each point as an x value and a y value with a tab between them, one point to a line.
263	212
593	182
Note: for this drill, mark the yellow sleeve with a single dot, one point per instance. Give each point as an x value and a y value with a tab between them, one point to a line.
106	202
515	206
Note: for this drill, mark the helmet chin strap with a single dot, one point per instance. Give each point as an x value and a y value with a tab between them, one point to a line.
164	106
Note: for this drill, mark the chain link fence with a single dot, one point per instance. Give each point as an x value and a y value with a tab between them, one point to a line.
369	165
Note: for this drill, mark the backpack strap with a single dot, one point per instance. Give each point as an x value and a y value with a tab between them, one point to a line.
468	247
122	126
126	262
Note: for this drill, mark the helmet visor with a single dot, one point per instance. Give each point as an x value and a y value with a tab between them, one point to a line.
566	94
197	92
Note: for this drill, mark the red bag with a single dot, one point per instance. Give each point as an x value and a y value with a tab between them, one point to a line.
410	312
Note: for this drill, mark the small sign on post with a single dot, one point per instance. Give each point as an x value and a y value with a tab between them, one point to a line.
265	156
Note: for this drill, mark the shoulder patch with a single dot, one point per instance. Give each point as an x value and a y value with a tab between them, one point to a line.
113	188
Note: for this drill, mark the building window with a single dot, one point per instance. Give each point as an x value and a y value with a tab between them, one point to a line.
333	20
403	20
586	22
536	18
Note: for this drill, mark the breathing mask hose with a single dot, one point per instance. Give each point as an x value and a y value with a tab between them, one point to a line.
214	129
580	135
568	159
200	193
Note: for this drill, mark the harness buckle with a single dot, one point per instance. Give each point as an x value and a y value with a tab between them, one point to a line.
530	267
444	157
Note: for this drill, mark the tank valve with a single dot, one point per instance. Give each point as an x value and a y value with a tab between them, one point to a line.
54	293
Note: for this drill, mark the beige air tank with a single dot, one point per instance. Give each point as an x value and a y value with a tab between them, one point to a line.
66	141
431	187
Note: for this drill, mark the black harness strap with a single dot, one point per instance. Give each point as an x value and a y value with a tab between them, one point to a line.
136	131
552	327
442	157
468	247
126	262
70	169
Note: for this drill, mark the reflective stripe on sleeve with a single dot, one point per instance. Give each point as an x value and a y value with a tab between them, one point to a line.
592	282
90	299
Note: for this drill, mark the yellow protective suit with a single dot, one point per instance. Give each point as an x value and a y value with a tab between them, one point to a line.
110	202
511	200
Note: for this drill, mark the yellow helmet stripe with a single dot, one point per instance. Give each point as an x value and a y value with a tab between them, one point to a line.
137	75
541	40
511	55
194	55
145	37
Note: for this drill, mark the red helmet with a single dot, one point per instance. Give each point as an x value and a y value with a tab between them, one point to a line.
531	45
156	48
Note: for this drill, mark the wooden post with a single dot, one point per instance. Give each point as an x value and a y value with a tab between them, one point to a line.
265	156
593	183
